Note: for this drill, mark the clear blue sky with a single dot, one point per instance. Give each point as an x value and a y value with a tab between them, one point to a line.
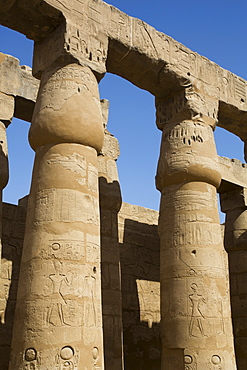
215	29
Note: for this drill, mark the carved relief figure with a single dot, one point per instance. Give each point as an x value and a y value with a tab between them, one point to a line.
3	302
90	283
196	315
57	300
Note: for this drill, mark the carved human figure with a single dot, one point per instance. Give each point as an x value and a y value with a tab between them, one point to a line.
3	302
90	284
57	299
196	315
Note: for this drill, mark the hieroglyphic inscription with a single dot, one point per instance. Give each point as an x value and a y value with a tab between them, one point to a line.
149	300
190	363
72	250
121	26
143	36
240	89
188	200
67	358
67	206
92	178
88	46
75	163
92	249
185	100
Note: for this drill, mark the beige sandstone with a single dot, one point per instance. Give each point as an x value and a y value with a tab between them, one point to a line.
59	311
58	319
110	203
195	308
233	203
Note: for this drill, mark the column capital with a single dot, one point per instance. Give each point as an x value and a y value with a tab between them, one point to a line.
234	204
67	108
187	104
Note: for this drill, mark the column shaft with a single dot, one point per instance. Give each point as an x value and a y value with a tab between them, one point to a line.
58	320
4	176
234	204
110	203
196	322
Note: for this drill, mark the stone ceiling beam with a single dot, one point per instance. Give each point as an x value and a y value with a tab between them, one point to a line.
104	38
18	84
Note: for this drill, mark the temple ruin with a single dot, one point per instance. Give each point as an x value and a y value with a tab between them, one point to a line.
89	282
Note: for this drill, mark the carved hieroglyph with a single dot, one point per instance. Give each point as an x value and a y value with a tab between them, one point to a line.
58	321
196	326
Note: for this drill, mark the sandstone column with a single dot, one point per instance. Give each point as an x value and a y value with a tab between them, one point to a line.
196	322
234	204
110	203
58	320
6	115
4	169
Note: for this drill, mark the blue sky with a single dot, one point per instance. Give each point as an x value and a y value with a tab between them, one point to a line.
215	29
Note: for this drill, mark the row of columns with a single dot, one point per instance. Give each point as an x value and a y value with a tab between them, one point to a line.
58	319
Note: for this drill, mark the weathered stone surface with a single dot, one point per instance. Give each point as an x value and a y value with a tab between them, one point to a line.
136	50
58	318
18	89
13	227
195	301
110	203
58	315
139	246
233	203
233	174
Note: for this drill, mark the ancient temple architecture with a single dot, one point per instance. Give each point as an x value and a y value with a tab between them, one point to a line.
88	282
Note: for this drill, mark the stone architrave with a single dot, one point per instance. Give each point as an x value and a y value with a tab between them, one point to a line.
58	319
234	204
196	324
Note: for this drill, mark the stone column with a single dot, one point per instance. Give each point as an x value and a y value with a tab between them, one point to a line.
58	319
110	203
196	325
234	204
6	115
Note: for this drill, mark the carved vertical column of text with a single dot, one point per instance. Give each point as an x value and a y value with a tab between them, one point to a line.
196	322
234	204
58	320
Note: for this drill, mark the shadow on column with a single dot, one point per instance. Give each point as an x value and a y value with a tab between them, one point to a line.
13	227
110	203
140	295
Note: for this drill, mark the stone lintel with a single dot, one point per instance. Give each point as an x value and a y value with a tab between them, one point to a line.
18	89
233	174
234	199
137	52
